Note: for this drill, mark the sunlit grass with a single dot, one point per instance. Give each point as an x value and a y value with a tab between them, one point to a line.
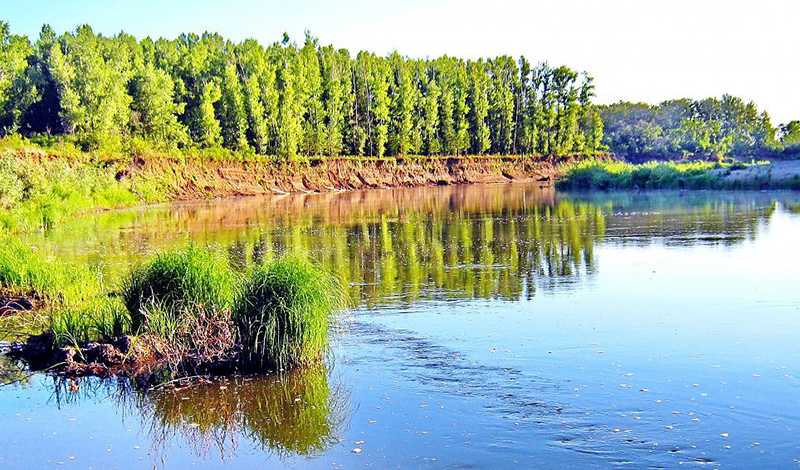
24	271
283	313
609	174
175	284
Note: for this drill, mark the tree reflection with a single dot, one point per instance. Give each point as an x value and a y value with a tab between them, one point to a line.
405	245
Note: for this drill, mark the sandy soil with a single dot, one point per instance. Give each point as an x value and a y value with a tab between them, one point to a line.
774	173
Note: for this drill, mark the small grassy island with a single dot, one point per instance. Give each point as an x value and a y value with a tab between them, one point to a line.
183	313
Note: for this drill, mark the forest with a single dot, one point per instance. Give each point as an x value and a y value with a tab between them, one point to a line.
119	94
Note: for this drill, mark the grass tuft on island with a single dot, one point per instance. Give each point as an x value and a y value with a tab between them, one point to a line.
595	174
176	284
283	311
183	312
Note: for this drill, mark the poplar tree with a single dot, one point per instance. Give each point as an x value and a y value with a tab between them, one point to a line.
479	105
232	110
17	90
402	99
154	114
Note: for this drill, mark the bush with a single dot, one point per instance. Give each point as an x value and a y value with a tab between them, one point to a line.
283	313
177	283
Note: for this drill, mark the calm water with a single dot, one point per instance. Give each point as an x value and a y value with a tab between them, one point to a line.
494	327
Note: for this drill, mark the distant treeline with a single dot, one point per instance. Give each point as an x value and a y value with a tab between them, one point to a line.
117	93
709	127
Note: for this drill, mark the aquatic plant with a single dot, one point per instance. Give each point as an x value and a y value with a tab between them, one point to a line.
177	283
283	313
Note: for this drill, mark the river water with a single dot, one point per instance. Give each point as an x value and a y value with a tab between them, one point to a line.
491	327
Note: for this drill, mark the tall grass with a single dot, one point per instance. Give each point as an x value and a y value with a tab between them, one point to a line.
283	313
177	283
599	174
25	271
275	318
39	192
75	297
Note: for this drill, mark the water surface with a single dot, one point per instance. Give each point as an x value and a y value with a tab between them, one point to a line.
492	326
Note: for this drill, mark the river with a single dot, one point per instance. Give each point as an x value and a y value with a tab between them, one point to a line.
490	327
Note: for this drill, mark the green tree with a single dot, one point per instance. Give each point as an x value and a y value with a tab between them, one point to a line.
154	113
207	128
790	134
479	107
402	97
17	90
504	74
233	117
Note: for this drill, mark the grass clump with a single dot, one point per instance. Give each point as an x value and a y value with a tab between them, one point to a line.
283	313
175	284
186	305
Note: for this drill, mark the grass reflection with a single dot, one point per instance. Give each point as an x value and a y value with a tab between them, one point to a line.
297	413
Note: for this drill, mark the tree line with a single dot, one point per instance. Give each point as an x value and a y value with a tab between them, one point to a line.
285	99
725	126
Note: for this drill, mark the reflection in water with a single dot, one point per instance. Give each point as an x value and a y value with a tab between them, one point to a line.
13	372
389	246
297	413
577	370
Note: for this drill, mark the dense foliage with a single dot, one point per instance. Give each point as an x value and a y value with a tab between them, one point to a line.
711	127
618	175
117	93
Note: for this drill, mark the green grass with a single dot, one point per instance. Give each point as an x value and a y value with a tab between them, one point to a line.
38	193
283	313
77	305
609	175
177	283
24	271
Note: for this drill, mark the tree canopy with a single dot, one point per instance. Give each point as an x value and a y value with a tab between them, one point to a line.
286	99
676	128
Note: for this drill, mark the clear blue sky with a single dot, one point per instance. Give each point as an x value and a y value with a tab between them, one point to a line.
639	50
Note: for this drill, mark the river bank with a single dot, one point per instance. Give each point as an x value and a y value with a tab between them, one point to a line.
38	190
611	174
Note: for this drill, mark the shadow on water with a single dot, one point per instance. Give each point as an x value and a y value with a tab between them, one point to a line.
294	414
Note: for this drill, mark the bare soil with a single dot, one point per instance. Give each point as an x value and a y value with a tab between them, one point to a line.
204	179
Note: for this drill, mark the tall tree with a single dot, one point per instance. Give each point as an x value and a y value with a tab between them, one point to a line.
479	106
17	90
